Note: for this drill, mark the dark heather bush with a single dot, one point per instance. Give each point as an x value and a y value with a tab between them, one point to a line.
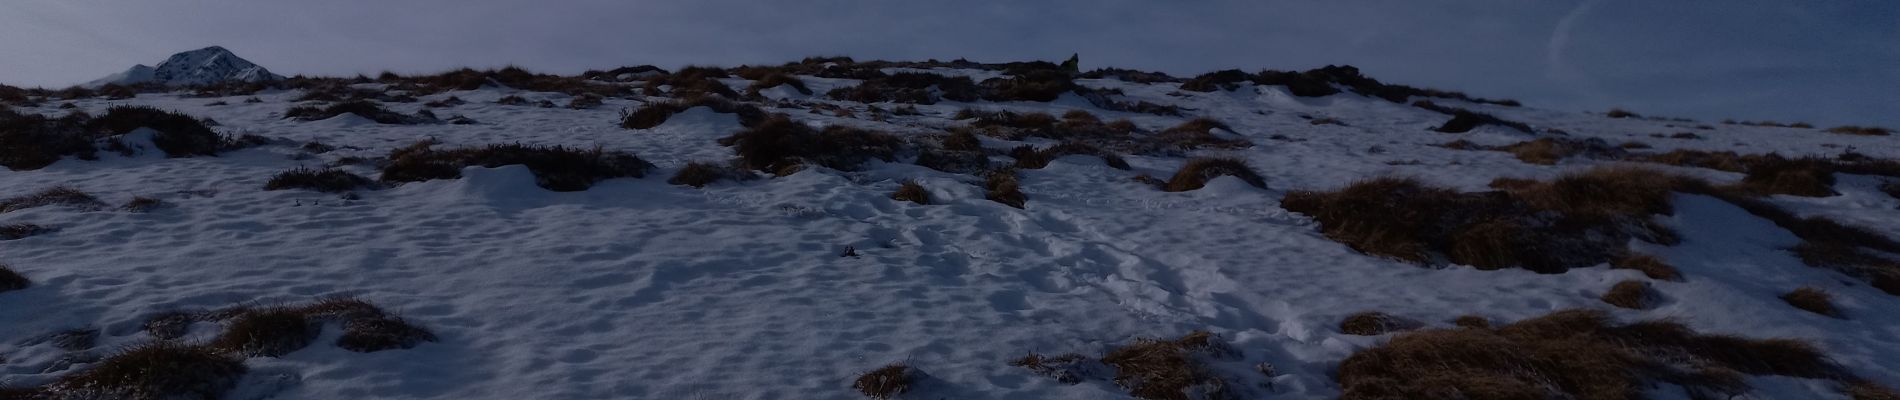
179	135
53	196
653	114
555	168
885	383
362	108
1812	300
1001	186
700	173
1463	120
1039	85
1621	113
1372	323
1197	172
365	335
10	280
1218	80
512	100
1548	151
1861	130
779	143
912	192
269	332
909	87
1156	369
153	371
17	231
1800	177
322	180
1068	368
1573	354
32	141
1574	221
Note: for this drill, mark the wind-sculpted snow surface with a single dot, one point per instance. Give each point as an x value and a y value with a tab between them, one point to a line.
640	289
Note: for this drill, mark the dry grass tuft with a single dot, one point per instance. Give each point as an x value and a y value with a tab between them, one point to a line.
1028	157
1813	300
322	180
1001	186
779	143
886	382
17	231
1197	172
910	191
1471	321
1631	294
10	280
555	168
53	196
1548	151
655	113
140	204
1373	323
1650	266
700	173
363	108
1167	369
1577	354
152	371
383	332
266	332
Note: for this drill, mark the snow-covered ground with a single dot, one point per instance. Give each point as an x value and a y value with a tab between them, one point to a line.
640	289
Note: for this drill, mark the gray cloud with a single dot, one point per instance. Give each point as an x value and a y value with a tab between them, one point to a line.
1829	62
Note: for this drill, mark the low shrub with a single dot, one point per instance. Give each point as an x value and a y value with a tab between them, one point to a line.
52	196
1579	354
910	191
779	143
653	114
17	231
555	168
32	141
699	174
1169	369
383	332
322	180
157	370
1197	172
773	80
266	332
1028	157
1001	186
11	281
910	88
367	109
512	100
886	382
1621	113
1812	300
1038	85
690	82
451	101
585	101
1631	294
179	135
1463	120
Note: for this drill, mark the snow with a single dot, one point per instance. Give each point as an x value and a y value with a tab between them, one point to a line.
197	67
640	289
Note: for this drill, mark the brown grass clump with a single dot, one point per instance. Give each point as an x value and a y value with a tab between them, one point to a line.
365	335
910	88
1631	294
555	168
1463	120
1868	390
1574	221
690	82
1621	113
1548	151
1650	266
699	174
779	142
773	80
179	135
266	332
17	231
323	180
1167	369
1580	354
1197	172
912	192
1471	321
1373	323
655	113
1001	186
1028	157
585	101
363	108
1813	300
1800	177
886	382
53	196
153	371
1860	130
10	280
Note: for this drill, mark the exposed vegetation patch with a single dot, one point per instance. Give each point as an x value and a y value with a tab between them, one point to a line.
655	113
266	332
1574	221
1578	354
31	141
1860	130
911	88
1196	173
511	77
912	192
1068	368
1199	133
367	109
1158	369
322	180
1813	300
1373	323
53	196
1650	266
690	82
11	281
1029	157
780	143
17	231
1548	151
1001	186
152	371
1325	81
886	382
699	174
1631	294
772	80
179	135
1463	120
555	168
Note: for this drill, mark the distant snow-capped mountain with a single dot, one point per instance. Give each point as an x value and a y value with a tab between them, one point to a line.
197	67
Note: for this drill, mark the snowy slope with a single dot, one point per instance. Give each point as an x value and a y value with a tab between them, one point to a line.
197	67
640	289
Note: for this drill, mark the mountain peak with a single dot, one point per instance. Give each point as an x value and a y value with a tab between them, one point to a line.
209	65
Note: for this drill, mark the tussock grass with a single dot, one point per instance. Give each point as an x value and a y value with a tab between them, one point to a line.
52	196
1812	299
11	280
1195	174
1001	186
1631	294
1373	323
17	231
152	371
1029	157
363	108
1860	130
885	382
1159	369
266	332
910	88
1548	151
1199	133
179	135
322	180
1650	266
690	82
910	191
655	113
772	80
555	168
1580	354
699	174
779	143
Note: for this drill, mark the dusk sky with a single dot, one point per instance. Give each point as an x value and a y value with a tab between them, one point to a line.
1825	62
